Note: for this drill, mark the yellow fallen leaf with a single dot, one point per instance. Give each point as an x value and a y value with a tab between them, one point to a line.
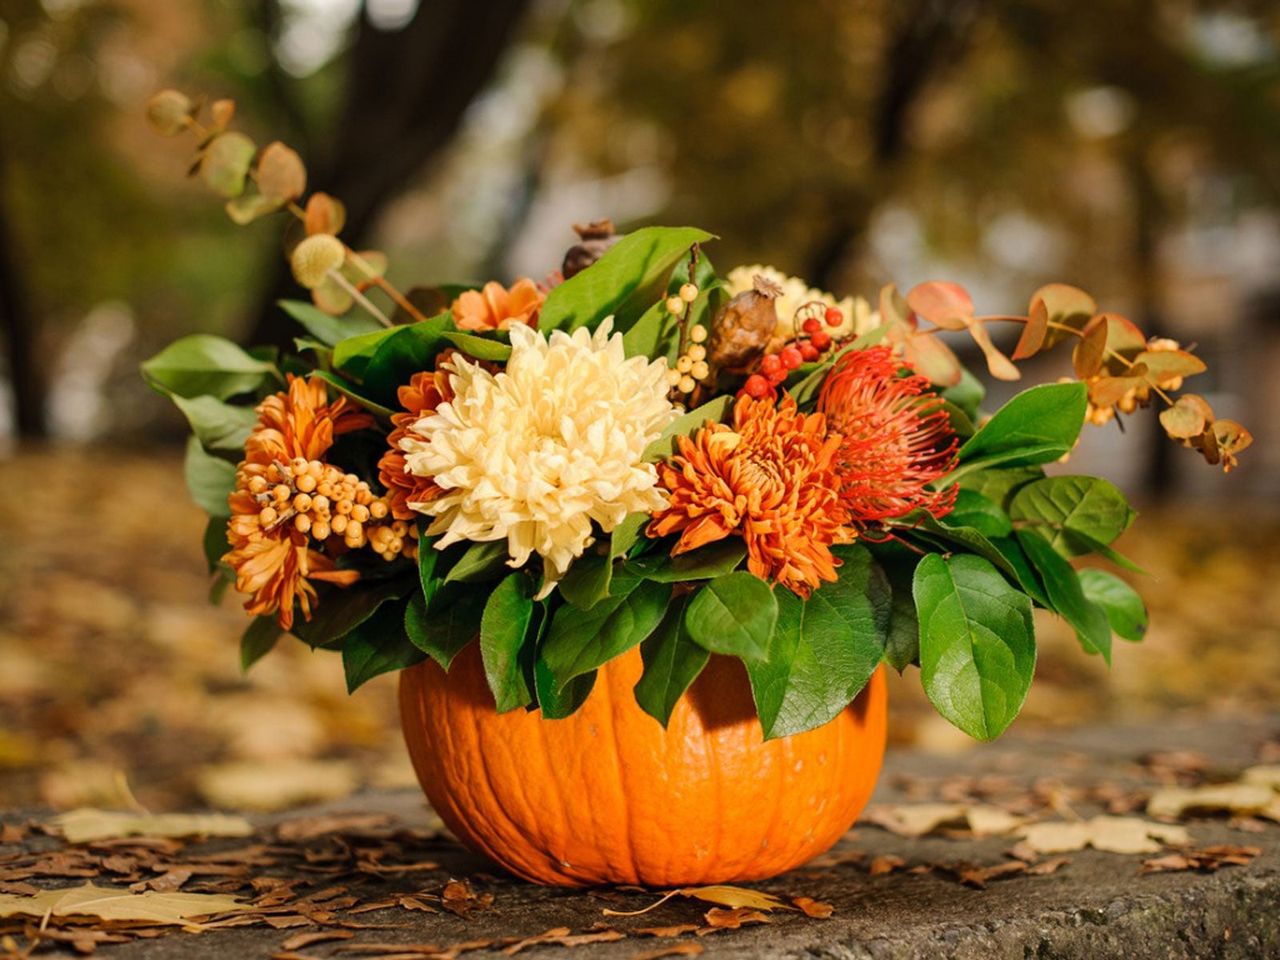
1111	834
722	894
107	903
88	824
918	819
275	784
1237	798
1268	775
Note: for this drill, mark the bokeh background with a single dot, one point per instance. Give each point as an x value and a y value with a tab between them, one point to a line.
1131	147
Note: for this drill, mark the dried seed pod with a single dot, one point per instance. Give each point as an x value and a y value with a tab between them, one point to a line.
594	239
743	328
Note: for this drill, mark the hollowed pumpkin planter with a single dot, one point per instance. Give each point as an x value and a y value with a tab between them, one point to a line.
609	796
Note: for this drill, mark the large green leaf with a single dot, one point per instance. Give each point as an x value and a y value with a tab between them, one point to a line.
587	581
1066	509
556	702
1038	425
672	661
481	348
345	608
902	636
999	484
205	365
578	641
1126	613
353	392
210	479
735	615
624	282
258	640
977	643
713	560
824	649
686	424
1066	595
504	625
396	359
480	562
975	511
443	627
378	645
326	328
218	426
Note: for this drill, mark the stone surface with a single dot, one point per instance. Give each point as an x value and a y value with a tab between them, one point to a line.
1096	906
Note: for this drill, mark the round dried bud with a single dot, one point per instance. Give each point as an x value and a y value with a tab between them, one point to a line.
673	376
744	326
400	528
298	465
320	504
302	502
689	292
314	257
281	492
344	507
594	239
267	516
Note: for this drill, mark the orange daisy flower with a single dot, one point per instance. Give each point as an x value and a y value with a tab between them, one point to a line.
272	559
894	441
769	479
496	308
424	392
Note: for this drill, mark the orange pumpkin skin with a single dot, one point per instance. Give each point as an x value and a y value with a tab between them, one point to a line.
608	796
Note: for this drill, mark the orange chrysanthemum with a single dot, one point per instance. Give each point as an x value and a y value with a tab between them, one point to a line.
272	560
895	442
768	479
424	392
496	308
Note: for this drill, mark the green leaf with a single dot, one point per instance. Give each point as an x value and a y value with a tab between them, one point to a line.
258	640
672	661
396	359
481	348
225	162
1037	426
705	563
975	511
202	364
977	643
683	426
1062	506
442	628
352	354
1027	578
215	546
351	391
1066	596
921	523
326	328
627	533
735	615
623	282
579	641
378	645
999	484
480	562
555	702
587	581
210	479
503	627
1126	613
824	650
902	635
218	425
648	335
345	608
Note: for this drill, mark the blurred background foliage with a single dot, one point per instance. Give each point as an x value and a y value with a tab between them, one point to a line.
1131	147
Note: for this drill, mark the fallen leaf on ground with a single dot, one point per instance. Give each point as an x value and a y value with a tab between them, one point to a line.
722	894
919	819
108	904
87	825
308	828
562	937
675	930
1238	798
721	918
975	876
813	908
300	940
275	784
1207	859
1267	774
1112	834
884	864
689	949
1046	867
458	898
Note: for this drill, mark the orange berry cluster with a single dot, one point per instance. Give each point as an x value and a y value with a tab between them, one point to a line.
321	501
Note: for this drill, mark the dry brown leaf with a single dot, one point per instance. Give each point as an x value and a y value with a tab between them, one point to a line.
689	949
458	898
562	937
300	940
1206	859
87	825
721	918
106	903
1112	834
813	908
309	828
722	894
1239	798
979	877
884	864
1046	867
675	930
919	819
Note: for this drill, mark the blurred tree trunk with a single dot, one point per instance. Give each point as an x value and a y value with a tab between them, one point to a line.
19	329
928	37
406	94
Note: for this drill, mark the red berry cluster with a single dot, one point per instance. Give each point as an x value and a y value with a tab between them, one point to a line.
774	367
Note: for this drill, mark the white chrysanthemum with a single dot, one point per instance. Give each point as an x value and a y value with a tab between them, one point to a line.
858	315
533	454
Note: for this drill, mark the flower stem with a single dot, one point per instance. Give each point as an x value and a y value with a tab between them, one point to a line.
359	297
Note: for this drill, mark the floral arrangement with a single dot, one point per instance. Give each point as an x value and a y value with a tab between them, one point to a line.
640	451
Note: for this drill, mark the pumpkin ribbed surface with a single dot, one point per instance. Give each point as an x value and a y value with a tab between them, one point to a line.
608	796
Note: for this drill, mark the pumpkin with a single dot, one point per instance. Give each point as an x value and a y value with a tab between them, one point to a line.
608	796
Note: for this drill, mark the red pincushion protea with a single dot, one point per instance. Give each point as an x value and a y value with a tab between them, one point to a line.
895	441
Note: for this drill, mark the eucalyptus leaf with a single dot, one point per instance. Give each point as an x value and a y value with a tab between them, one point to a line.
977	643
